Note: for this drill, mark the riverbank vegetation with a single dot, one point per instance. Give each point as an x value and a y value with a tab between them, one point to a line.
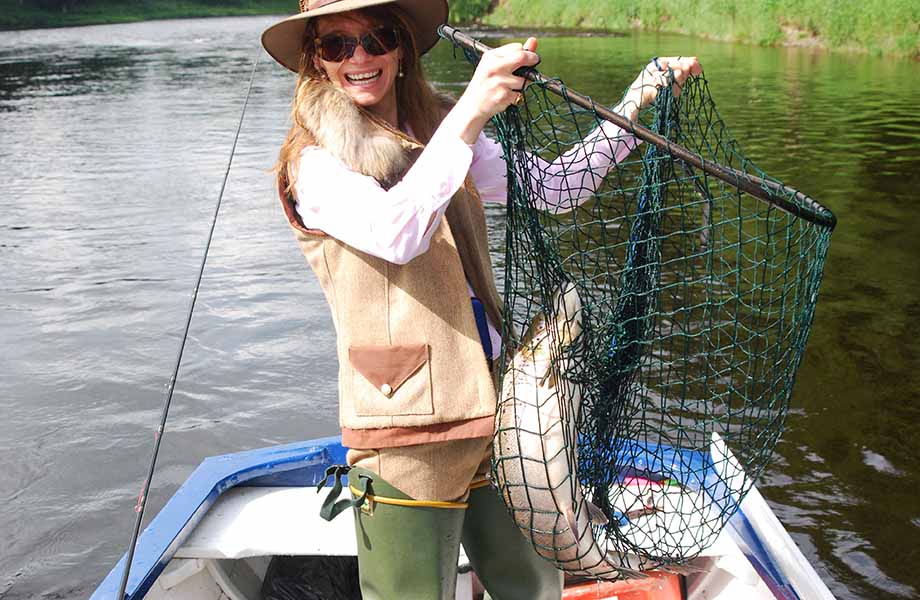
879	26
876	26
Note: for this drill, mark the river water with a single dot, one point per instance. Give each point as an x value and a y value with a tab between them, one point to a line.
114	141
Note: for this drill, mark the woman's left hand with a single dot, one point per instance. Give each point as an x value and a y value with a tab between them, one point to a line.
653	77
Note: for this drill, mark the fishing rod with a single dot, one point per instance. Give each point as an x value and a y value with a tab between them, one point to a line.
774	193
158	435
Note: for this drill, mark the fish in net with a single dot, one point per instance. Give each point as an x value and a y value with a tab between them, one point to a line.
653	324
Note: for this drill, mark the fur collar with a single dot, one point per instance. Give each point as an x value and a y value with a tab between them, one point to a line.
363	142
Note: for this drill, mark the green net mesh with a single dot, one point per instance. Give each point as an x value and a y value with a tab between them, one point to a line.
655	317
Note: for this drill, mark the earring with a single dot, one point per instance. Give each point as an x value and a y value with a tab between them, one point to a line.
400	74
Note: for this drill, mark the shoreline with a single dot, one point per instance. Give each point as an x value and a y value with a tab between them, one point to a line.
577	21
815	43
887	28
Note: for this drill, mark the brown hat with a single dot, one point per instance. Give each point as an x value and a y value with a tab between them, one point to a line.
284	39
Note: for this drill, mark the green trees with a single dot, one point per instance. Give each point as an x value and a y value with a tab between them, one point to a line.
464	11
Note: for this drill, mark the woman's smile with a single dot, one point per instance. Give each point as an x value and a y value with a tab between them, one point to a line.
364	78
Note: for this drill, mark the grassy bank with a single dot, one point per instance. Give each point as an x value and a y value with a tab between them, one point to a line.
877	26
30	14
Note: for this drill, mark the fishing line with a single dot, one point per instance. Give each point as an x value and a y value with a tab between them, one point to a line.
158	435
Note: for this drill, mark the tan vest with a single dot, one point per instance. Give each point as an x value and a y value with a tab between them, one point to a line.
411	364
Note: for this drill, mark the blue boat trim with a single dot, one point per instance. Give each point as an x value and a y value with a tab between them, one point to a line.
303	464
761	558
297	464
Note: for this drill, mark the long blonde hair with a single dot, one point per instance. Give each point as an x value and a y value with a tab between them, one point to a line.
418	105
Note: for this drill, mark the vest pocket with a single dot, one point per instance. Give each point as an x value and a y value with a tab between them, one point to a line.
391	380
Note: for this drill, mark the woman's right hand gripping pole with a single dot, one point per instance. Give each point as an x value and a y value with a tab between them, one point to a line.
493	87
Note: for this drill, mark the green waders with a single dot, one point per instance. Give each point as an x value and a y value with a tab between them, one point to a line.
409	550
504	560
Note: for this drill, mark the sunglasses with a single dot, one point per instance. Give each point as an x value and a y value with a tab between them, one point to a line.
336	47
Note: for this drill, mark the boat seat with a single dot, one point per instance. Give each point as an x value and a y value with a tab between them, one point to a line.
268	521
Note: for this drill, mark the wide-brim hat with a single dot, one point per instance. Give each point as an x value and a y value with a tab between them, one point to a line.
284	40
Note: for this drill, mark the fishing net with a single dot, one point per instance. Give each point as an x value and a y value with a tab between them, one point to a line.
673	294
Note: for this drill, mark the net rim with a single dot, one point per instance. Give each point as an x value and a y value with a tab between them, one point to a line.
787	199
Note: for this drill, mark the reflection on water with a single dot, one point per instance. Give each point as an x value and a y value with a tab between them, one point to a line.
114	143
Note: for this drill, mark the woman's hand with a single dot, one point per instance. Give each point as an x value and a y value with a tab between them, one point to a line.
653	77
494	85
492	88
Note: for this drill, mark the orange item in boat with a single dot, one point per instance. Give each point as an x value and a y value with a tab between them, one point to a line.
658	586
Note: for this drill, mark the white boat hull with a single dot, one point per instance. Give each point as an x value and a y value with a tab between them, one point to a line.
216	537
227	555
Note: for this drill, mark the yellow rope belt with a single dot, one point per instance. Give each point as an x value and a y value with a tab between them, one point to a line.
414	503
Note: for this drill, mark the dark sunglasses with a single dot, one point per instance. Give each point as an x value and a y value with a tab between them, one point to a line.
336	47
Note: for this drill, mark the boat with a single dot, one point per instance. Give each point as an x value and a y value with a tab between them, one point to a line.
218	535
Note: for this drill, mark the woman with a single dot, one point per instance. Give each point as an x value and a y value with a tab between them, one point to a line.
383	181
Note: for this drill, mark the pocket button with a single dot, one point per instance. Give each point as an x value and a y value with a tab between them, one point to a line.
386	390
